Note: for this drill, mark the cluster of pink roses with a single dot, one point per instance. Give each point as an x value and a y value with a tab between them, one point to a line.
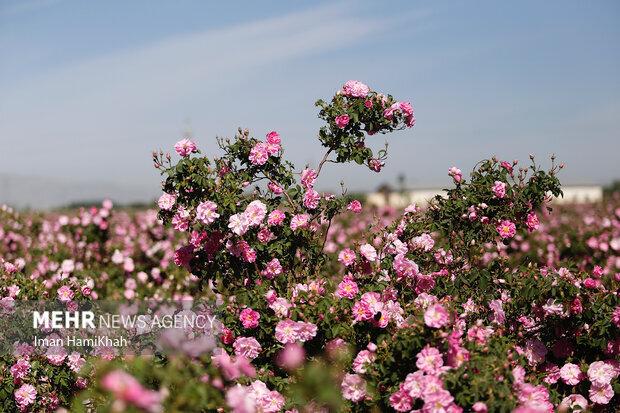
253	215
436	300
253	398
311	197
354	88
372	304
428	387
25	396
249	318
405	108
127	389
261	151
289	331
185	147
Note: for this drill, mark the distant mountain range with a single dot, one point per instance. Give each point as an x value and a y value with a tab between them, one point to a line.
46	193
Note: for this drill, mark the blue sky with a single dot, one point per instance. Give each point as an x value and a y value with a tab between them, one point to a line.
88	89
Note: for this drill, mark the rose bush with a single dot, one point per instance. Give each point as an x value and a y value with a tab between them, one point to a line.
482	301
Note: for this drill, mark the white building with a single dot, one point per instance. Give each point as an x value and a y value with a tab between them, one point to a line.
581	194
573	194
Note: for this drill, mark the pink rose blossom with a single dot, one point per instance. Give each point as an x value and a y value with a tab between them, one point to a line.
289	331
535	351
369	252
273	269
180	220
273	143
166	201
429	360
573	402
311	199
305	331
198	238
532	222
233	368
227	336
22	350
308	177
407	110
414	384
240	400
275	217
575	306
273	138
267	401
291	356
499	189
242	250
507	166
342	121
65	293
275	188
436	316
13	291
480	407
506	229
597	272
286	331
518	373
347	257
601	393
354	88
10	268
184	255
299	221
601	373
362	360
185	147
271	296
25	396
255	212
56	355
75	361
249	318
247	347
259	154
347	289
375	165
355	206
401	401
281	307
404	267
423	242
591	283
20	369
552	307
239	223
615	316
571	374
206	212
125	387
353	387
388	113
265	235
535	398
456	174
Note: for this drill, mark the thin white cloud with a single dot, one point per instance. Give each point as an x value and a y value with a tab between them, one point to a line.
98	119
174	65
15	7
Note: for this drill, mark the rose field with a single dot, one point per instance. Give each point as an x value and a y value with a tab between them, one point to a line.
490	298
